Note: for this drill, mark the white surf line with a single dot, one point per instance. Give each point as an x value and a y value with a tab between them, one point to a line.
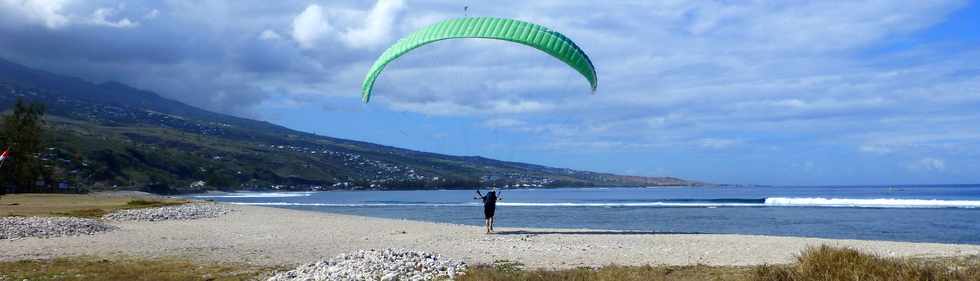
257	195
872	203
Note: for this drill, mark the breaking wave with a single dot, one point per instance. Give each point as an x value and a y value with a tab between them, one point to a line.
872	203
256	195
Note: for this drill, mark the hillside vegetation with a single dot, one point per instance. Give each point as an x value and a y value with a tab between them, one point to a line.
111	136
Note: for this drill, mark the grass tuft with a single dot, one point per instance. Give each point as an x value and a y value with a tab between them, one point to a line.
83	213
508	272
829	263
143	203
90	268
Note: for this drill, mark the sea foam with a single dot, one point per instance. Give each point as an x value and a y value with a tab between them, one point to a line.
256	195
872	203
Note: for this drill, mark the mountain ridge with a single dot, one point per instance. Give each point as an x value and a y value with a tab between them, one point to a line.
113	136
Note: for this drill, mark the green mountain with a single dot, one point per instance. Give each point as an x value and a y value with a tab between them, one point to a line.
112	136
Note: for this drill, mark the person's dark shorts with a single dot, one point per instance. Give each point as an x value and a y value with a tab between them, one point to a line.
488	211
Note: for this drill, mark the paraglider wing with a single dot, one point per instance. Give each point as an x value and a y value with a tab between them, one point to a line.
539	37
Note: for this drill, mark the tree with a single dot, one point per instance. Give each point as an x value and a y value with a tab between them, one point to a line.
22	136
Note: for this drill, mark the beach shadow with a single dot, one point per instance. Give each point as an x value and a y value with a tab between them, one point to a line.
589	232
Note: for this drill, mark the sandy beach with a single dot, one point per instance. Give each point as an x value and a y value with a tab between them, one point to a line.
273	236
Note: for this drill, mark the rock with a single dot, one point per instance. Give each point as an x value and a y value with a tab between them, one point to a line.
182	212
386	264
46	227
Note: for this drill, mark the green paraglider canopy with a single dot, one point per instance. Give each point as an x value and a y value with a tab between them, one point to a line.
539	37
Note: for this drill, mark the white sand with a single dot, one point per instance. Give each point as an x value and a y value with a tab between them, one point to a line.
271	236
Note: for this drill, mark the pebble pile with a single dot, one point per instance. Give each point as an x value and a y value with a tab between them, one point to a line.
44	227
181	212
383	265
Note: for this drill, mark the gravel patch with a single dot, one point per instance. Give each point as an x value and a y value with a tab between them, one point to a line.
387	264
181	212
46	227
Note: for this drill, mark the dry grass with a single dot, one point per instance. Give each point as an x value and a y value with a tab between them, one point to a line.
828	263
814	264
89	268
83	213
506	271
143	203
75	205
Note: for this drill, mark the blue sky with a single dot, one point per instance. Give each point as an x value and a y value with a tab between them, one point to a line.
780	92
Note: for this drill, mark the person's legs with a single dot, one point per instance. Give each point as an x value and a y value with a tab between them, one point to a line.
488	217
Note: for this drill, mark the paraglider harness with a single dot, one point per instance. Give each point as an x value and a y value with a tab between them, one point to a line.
489	202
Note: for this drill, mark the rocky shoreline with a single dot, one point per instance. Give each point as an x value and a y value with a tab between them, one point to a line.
48	227
385	265
181	212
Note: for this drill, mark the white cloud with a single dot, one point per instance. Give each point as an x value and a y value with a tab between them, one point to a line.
714	143
355	29
101	17
377	26
928	164
662	121
152	14
54	14
269	35
876	148
503	123
741	58
656	121
518	106
310	26
805	166
954	137
811	26
450	108
45	12
599	145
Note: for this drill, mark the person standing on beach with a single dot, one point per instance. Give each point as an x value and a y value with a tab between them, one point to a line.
489	206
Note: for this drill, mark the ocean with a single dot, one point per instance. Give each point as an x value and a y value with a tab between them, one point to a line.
943	214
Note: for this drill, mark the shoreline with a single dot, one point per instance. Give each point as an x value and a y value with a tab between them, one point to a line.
582	231
284	237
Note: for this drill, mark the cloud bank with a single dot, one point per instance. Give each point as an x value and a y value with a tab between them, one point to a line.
861	82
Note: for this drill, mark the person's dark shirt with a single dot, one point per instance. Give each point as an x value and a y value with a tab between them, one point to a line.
490	199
